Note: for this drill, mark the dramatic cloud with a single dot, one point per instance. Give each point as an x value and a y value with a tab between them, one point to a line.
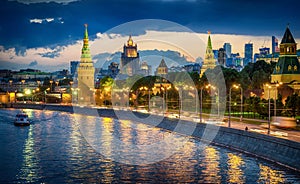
190	46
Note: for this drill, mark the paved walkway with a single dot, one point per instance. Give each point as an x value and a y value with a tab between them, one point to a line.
293	135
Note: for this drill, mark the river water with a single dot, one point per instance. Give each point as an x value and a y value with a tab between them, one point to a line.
53	150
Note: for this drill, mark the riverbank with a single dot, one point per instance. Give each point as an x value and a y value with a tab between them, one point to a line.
280	151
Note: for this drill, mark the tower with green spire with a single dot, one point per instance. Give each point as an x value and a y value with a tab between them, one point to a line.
209	60
287	69
285	79
86	73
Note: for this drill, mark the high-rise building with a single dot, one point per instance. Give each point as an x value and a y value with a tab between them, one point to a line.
248	53
227	48
130	59
86	72
264	52
216	54
73	67
209	59
221	57
275	48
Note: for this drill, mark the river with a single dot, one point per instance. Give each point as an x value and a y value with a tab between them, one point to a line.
54	150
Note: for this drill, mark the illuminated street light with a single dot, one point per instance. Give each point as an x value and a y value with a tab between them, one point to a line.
269	112
277	85
51	81
234	86
201	100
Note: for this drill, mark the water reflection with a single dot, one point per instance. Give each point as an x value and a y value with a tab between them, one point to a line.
235	172
53	150
210	165
269	175
29	170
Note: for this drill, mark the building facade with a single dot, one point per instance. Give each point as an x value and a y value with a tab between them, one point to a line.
275	48
248	54
222	57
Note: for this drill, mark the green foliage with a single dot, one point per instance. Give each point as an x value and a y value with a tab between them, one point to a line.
293	104
106	82
254	75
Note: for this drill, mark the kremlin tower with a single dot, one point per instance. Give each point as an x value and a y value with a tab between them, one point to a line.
85	72
285	79
209	61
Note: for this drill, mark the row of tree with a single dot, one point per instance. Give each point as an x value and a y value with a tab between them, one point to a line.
252	77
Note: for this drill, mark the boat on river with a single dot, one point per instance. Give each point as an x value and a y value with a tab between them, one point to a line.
22	119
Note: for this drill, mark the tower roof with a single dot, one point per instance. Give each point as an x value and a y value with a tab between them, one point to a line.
209	41
163	63
86	35
130	41
288	37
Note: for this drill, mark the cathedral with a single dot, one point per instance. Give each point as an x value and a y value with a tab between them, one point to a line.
209	61
85	71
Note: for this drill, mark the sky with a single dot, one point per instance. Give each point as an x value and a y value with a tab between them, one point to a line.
48	33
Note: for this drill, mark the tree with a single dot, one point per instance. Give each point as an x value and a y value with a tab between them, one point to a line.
292	102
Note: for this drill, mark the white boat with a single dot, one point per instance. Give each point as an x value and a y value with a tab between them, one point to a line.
22	119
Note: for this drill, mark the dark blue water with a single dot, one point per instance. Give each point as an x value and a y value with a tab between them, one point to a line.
53	150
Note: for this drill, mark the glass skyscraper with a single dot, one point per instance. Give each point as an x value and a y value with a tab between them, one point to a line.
248	53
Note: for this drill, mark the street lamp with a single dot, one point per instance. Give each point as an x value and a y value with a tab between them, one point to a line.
179	89
269	117
234	86
277	85
218	102
241	118
51	81
146	89
201	100
23	81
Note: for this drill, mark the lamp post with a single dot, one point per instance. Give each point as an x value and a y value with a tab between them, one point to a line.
23	82
179	100
201	91
218	95
277	85
146	89
241	118
229	117
201	100
56	82
269	117
51	81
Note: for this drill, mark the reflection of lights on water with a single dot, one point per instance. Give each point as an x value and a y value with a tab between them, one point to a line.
268	175
235	173
29	167
29	112
211	166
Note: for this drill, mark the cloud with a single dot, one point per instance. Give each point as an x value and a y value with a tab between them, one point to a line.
33	63
189	45
38	21
65	2
47	20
